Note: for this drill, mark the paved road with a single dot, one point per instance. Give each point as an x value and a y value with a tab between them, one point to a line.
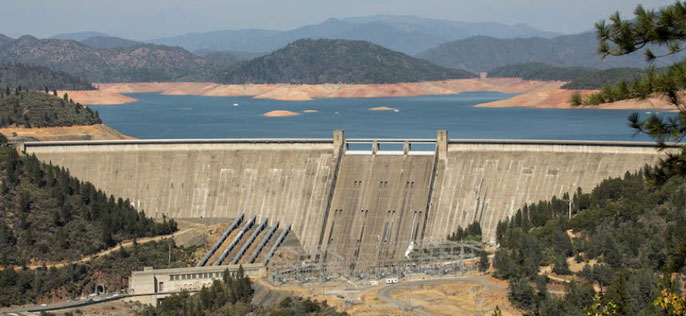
385	291
63	305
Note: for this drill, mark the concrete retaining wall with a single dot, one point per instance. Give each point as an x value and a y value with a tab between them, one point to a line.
359	205
490	181
286	181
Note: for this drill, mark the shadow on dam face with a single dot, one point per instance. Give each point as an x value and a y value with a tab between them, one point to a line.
362	204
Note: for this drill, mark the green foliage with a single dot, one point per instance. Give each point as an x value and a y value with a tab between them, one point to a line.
540	71
38	109
27	286
232	296
484	264
560	265
472	232
337	61
48	215
663	28
521	293
634	230
580	78
31	77
576	99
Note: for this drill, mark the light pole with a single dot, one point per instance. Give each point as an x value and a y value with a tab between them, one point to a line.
570	206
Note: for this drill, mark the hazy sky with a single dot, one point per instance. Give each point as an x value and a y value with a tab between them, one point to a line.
146	19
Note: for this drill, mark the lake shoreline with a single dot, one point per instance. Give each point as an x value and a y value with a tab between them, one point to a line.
114	93
531	93
157	116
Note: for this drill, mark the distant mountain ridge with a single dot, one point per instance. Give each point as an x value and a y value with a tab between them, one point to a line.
109	42
320	61
407	34
301	62
78	36
136	63
482	53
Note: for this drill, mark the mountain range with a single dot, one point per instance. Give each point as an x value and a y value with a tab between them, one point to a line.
407	34
146	62
239	55
482	53
302	62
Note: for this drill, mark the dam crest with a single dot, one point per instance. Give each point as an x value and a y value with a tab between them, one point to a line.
364	199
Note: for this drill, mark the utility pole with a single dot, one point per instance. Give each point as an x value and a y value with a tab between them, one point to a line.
570	206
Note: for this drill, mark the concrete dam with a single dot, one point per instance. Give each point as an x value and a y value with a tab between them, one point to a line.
362	199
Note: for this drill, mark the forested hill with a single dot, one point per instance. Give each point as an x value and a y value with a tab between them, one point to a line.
49	215
337	61
41	109
627	237
143	62
30	77
483	54
578	77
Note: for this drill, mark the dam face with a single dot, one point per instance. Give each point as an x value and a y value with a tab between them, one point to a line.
361	205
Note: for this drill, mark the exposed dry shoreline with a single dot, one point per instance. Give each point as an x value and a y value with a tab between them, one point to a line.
112	93
559	99
532	93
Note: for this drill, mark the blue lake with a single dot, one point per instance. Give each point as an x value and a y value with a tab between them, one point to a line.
162	116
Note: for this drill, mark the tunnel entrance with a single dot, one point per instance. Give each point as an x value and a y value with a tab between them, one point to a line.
100	289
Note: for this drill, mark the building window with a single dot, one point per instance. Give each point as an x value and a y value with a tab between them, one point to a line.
161	287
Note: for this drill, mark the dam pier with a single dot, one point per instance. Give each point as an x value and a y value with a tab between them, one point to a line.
363	200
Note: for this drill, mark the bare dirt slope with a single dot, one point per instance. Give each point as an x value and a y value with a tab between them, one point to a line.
109	91
559	99
532	93
76	132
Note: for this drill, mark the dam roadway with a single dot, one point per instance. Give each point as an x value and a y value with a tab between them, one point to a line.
362	204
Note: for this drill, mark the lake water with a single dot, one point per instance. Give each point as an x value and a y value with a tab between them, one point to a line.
162	116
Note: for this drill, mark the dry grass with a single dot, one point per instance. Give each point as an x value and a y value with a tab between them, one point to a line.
456	298
76	132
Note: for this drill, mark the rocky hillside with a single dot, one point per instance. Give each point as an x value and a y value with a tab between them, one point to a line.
39	78
578	77
337	61
482	54
48	215
134	63
39	109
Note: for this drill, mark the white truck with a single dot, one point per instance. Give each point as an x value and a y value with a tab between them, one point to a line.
391	280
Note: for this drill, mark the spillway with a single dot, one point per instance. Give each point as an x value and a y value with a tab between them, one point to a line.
362	204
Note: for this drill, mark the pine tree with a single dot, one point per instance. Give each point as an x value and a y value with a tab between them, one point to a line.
484	264
666	28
